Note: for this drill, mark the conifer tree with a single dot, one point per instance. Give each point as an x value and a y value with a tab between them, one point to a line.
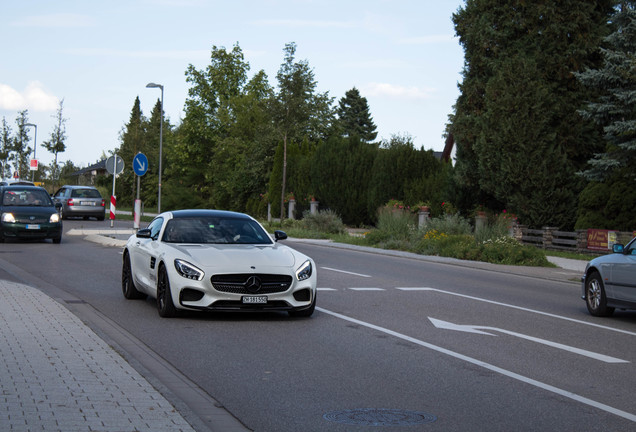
615	110
354	117
519	137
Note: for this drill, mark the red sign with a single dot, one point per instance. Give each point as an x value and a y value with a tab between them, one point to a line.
34	164
602	240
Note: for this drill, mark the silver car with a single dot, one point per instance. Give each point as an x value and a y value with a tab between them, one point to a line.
609	281
80	201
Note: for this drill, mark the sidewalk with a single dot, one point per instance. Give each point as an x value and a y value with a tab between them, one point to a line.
56	374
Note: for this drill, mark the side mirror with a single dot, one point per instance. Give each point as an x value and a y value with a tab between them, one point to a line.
280	235
143	233
58	205
618	248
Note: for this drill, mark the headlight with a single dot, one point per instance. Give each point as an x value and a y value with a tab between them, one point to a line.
8	217
304	271
55	218
187	270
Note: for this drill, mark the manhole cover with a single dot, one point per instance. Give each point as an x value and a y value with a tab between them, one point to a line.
379	417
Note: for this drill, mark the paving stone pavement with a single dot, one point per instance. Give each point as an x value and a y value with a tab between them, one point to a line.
56	374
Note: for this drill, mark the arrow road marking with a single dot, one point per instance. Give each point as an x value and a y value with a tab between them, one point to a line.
488	366
480	330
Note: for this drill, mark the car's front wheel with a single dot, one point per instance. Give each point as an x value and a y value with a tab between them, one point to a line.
127	285
304	313
595	298
165	306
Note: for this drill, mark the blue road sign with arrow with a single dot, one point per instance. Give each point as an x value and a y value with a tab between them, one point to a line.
140	164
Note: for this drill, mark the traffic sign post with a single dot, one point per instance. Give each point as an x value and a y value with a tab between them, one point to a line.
140	167
114	165
140	164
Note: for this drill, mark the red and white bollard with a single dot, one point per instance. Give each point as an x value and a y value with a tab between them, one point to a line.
113	202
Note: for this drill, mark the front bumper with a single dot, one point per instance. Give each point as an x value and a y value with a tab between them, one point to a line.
31	231
203	295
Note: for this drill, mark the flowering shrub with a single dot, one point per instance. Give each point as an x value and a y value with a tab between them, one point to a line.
434	235
448	208
396	205
508	218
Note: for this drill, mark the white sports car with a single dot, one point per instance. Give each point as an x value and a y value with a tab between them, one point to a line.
216	261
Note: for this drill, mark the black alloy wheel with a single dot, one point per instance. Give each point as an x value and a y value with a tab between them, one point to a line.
127	284
165	306
304	313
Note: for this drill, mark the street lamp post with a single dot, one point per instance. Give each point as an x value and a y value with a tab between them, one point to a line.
35	145
153	85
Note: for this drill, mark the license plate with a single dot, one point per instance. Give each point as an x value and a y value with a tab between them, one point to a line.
87	203
33	226
254	299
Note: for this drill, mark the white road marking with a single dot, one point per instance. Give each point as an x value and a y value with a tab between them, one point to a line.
493	368
326	289
522	309
366	289
347	272
479	330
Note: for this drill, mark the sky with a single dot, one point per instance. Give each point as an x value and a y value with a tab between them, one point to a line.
402	55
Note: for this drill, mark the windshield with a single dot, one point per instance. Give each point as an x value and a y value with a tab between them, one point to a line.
26	197
215	230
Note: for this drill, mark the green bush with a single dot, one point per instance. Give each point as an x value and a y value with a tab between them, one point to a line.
325	221
451	236
449	224
398	224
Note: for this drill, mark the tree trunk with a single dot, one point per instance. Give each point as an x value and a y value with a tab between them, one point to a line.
282	195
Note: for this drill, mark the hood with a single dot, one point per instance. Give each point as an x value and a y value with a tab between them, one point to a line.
239	258
22	212
603	259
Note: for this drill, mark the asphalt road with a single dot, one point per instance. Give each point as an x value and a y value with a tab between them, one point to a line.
464	349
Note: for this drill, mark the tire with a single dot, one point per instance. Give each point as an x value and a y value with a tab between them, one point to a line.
304	313
595	298
100	218
57	240
165	306
127	284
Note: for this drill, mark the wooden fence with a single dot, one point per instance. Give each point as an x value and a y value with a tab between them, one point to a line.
574	241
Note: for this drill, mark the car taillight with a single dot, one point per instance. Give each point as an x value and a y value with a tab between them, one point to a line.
69	201
103	202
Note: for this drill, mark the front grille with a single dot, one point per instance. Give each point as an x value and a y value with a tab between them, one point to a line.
249	283
36	220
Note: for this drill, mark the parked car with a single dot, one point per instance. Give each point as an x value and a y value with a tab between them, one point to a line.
80	201
27	212
609	281
14	181
216	260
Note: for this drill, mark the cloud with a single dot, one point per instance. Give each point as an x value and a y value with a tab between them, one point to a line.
429	39
60	20
34	97
168	54
305	23
397	92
